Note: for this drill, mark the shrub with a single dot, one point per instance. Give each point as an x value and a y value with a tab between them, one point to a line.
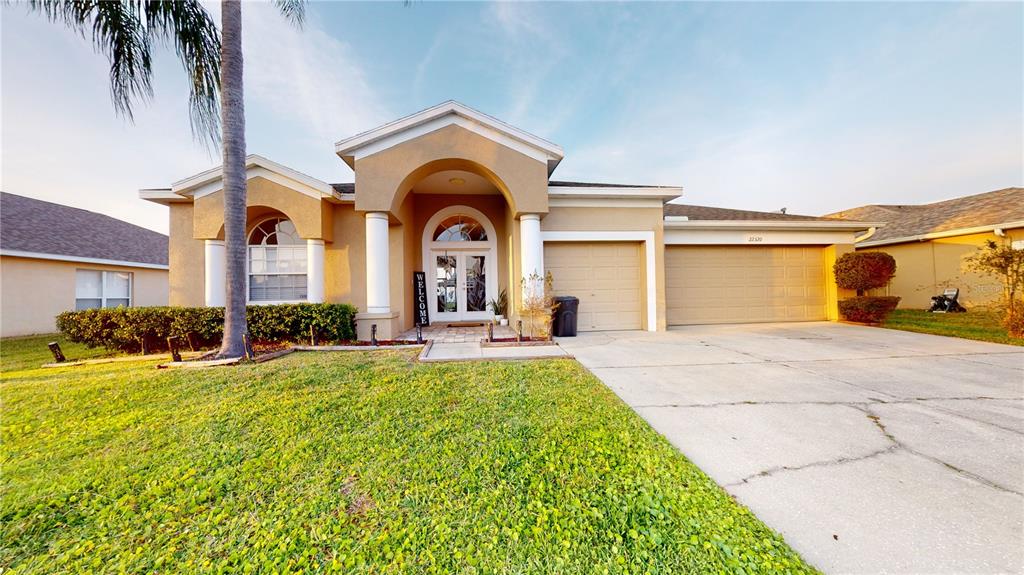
125	328
1007	264
864	270
868	309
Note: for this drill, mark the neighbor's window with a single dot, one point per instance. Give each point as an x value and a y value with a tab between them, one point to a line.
277	262
97	288
460	229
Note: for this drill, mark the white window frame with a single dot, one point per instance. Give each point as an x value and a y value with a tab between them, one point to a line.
249	274
103	286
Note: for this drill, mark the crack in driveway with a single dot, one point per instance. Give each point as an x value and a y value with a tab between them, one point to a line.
894	445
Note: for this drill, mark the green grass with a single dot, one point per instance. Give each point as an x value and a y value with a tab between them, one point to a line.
979	324
17	353
363	462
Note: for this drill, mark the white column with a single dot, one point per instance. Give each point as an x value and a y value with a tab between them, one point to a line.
532	252
315	271
216	263
378	282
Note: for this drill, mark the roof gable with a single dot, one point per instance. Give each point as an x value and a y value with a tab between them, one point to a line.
34	227
440	116
207	182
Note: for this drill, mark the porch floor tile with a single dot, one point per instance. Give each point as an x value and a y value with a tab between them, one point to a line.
440	332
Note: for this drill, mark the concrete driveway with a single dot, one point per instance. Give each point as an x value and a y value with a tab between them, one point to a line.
870	450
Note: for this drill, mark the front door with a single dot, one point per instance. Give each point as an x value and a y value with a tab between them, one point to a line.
461	285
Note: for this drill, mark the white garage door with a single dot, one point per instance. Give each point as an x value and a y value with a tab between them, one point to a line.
606	278
737	284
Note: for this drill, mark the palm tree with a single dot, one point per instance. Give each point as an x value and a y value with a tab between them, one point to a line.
124	32
233	130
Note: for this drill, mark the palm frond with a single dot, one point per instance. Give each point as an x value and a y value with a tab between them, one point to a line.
117	33
197	42
124	30
293	10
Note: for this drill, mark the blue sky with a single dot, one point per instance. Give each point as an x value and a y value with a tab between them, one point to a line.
811	106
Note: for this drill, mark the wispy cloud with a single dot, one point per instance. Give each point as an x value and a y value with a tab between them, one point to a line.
307	76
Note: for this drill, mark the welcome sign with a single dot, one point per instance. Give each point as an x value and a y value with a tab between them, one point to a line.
419	290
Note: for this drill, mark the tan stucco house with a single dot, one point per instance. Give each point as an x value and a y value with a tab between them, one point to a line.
470	201
930	242
55	258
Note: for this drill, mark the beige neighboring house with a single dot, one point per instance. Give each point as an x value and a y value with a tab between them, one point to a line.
55	258
468	200
930	242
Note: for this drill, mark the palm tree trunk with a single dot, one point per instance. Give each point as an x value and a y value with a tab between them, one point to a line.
232	113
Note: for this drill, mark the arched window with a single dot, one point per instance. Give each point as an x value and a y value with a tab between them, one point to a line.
460	228
277	262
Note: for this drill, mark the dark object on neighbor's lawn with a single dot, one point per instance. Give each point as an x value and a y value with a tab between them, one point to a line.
947	302
373	334
58	355
564	321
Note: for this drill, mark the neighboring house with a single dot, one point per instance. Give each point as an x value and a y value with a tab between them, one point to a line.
55	258
930	242
468	200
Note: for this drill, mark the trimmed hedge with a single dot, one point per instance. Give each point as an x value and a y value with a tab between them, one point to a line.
125	328
863	271
868	309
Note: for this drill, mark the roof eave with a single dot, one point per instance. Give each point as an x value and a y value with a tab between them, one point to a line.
663	193
162	196
679	222
942	234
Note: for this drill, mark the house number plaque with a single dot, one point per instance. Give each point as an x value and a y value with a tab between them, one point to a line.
419	290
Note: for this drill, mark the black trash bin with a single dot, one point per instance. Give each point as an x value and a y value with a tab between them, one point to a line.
564	322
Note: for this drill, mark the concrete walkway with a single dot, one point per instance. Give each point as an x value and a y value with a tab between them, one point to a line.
870	450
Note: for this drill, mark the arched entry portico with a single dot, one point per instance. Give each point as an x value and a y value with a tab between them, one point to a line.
460	260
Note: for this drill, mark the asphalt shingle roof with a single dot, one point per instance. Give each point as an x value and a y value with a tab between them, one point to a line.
565	184
30	225
710	213
901	221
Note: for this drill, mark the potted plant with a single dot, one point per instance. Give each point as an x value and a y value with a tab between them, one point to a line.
499	307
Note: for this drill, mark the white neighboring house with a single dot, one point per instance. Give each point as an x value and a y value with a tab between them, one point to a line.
55	258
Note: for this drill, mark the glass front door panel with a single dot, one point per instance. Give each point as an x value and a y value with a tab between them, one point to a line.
476	283
447	284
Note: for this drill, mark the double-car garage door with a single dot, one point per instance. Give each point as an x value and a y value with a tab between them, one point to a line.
703	284
738	284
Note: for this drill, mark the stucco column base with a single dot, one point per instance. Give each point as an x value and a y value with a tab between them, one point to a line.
388	325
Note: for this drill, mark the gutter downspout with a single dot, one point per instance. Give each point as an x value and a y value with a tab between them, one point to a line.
871	231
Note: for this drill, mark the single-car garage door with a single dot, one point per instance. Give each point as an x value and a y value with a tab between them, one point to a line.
606	278
737	284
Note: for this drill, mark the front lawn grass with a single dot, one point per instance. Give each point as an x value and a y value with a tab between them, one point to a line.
363	462
29	352
976	323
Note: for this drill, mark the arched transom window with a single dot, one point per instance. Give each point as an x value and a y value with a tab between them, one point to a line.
460	228
277	262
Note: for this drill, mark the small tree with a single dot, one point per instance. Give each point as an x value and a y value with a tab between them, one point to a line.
864	271
1006	263
538	305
